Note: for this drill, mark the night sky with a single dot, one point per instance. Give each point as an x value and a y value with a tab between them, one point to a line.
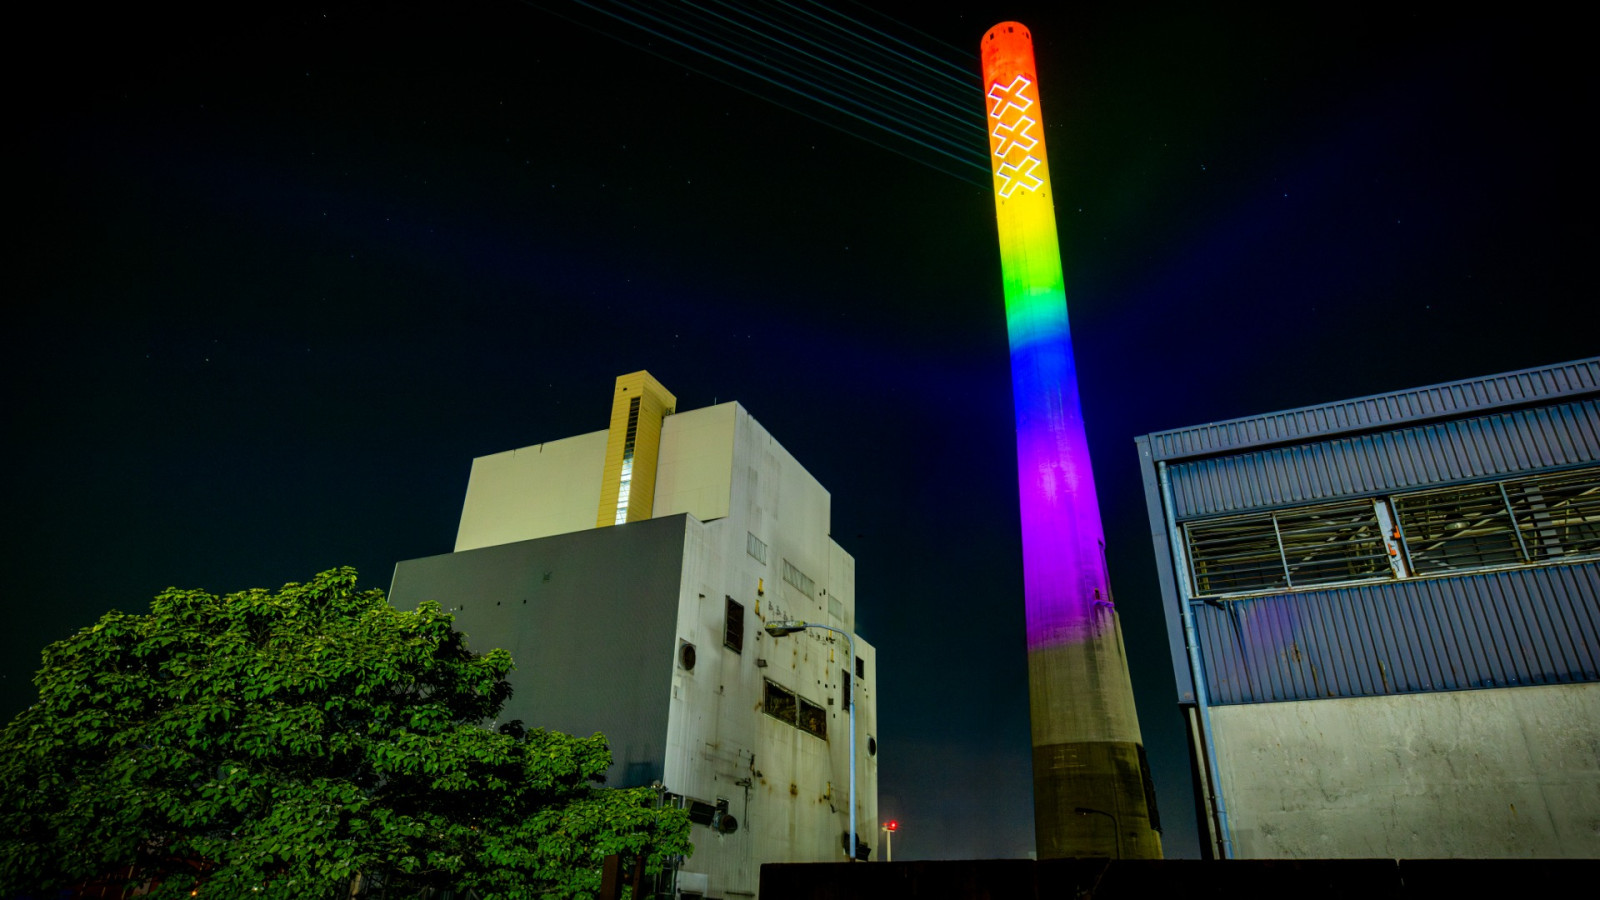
277	276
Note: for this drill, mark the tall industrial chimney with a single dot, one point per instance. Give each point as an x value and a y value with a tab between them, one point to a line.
1091	789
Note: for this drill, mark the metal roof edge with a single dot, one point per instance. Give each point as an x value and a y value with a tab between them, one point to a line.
1521	387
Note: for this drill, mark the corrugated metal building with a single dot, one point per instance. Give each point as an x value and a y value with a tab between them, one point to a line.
1384	616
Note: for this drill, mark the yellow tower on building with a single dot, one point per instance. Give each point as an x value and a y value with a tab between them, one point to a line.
633	444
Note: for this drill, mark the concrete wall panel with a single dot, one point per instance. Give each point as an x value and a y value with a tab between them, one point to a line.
592	640
696	468
533	492
1505	773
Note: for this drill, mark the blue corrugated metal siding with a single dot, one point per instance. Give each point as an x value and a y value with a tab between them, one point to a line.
1421	456
1493	629
1460	398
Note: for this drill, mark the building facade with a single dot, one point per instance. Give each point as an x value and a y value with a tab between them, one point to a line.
629	572
1384	616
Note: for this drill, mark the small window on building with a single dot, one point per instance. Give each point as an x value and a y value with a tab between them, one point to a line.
799	579
733	628
861	667
780	703
754	547
847	687
701	812
813	719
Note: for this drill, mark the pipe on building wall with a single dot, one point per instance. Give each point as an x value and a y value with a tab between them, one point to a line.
1181	567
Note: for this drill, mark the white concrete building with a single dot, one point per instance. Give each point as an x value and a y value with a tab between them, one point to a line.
629	572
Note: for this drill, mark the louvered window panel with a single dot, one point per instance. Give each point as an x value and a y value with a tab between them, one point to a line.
799	579
733	625
1558	515
1552	517
1459	528
1327	544
1235	555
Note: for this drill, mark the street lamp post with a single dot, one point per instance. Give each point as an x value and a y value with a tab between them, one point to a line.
1116	829
790	626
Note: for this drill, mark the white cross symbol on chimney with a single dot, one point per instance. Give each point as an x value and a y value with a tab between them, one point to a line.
1019	175
1008	97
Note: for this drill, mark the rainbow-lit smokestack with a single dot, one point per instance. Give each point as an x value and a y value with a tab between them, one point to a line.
1091	793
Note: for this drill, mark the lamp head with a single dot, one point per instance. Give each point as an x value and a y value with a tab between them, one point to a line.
785	627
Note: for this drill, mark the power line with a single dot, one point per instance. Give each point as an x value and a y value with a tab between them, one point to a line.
834	69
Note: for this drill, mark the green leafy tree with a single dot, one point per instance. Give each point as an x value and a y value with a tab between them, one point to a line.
294	744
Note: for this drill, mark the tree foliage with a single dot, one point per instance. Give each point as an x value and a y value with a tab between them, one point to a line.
289	742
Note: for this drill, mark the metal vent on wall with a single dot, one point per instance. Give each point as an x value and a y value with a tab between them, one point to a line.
802	581
733	626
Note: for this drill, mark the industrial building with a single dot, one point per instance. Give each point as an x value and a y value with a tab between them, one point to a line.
630	571
1384	616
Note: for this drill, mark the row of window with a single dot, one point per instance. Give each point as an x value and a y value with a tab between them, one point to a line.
779	702
788	706
757	550
1551	517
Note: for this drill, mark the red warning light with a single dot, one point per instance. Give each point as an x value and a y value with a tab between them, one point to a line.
891	826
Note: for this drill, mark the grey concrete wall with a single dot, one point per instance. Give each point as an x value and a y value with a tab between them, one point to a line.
1499	773
589	618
